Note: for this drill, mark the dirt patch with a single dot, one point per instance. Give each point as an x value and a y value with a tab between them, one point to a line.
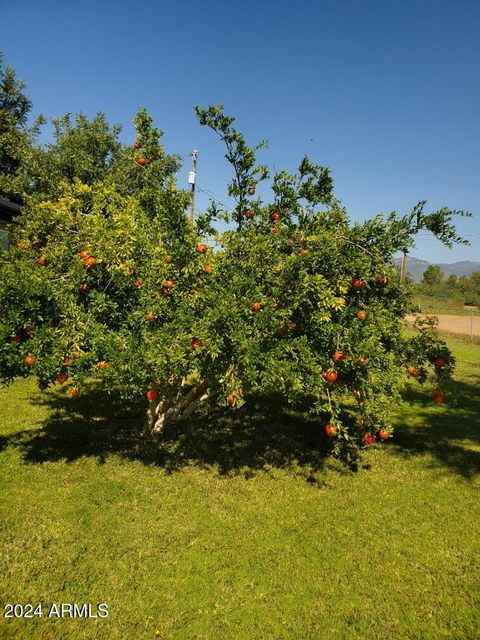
465	325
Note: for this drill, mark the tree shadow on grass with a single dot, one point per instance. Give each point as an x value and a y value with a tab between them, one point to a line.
266	433
449	433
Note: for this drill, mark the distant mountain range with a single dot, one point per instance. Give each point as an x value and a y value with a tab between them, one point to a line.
416	267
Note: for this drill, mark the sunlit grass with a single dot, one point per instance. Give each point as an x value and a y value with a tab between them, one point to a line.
242	532
449	307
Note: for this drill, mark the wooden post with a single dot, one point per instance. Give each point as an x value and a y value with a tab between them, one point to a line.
403	278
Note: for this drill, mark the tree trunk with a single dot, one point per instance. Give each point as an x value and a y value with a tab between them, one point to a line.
177	408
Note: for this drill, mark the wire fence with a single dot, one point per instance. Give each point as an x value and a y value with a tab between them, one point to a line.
461	320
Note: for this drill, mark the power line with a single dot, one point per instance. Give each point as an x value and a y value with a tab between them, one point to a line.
214	196
465	235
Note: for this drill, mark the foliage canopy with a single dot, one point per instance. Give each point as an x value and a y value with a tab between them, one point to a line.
106	278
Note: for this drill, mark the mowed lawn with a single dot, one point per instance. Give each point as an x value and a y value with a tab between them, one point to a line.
239	528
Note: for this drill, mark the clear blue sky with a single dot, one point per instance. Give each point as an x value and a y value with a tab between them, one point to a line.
385	93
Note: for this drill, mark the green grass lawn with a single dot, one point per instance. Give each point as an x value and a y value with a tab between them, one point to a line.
241	529
445	307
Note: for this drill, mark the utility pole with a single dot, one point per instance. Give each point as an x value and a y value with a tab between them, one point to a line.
404	270
191	180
